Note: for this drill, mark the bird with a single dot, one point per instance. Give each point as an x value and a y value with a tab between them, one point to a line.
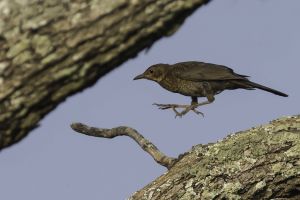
198	79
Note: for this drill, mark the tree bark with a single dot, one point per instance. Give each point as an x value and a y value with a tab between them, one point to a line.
260	163
52	49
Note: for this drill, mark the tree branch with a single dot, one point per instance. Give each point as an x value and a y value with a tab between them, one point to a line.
145	144
51	49
260	163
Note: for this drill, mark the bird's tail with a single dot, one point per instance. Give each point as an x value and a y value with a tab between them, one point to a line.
250	85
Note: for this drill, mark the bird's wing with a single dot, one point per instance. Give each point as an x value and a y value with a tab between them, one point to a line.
200	71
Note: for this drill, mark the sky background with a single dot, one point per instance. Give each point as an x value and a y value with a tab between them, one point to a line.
259	38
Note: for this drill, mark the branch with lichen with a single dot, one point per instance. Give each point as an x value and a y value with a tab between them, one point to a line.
260	163
145	144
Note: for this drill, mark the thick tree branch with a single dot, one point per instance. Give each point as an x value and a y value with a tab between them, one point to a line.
146	145
260	163
52	49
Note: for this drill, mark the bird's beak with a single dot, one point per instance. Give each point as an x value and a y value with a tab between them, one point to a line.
139	77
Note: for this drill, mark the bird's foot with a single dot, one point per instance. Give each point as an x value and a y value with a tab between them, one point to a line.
187	108
169	106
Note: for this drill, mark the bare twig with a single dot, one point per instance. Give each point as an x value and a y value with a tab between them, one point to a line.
146	145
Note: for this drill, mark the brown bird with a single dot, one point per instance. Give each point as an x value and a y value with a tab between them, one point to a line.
198	79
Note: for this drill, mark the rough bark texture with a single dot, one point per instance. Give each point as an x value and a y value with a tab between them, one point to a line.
260	163
51	49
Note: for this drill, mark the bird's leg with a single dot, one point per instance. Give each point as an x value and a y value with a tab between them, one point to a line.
168	106
187	108
173	106
195	104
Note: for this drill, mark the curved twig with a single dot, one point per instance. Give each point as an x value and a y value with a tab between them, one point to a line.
146	145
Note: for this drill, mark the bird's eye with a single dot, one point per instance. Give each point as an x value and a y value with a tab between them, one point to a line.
151	71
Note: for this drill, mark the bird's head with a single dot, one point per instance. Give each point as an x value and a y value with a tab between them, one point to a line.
154	73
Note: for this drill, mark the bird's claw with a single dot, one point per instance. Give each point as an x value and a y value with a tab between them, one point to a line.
179	114
198	112
165	106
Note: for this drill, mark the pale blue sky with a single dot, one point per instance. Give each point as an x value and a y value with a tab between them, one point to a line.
259	38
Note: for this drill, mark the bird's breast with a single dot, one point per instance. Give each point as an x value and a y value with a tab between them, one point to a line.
170	84
184	87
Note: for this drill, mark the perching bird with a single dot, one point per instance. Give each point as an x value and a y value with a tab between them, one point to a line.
198	79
